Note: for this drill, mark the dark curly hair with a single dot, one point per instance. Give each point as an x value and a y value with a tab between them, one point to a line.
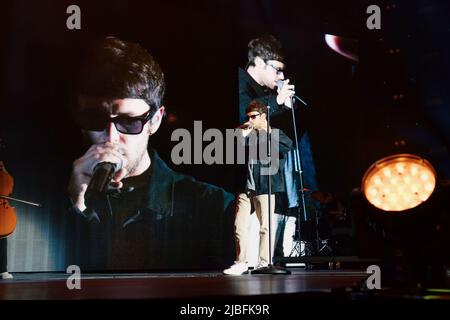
266	47
117	69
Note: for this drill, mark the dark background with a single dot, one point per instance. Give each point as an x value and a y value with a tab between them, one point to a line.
355	115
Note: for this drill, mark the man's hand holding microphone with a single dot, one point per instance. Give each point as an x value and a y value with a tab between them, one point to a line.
101	167
285	92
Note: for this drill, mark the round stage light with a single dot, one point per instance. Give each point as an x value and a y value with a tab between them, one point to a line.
399	182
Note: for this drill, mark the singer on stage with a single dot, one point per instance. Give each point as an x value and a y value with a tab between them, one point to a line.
253	186
263	79
149	217
259	81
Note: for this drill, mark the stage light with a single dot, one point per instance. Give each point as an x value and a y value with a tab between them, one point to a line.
399	182
344	46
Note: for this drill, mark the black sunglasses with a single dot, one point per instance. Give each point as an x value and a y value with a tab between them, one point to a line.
95	120
253	116
277	69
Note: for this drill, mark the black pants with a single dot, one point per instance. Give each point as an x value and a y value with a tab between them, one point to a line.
3	255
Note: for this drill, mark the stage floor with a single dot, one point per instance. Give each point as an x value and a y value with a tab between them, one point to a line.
174	285
302	283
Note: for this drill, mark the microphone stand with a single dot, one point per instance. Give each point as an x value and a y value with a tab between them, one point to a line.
270	269
299	171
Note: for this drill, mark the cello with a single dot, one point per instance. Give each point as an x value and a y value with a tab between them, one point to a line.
8	217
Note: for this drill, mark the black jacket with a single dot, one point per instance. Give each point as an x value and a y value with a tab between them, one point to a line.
161	220
250	90
281	146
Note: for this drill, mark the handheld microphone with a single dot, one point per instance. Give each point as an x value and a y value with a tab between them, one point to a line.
245	126
101	177
280	84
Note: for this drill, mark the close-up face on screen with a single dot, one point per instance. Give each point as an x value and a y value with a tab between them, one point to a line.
225	158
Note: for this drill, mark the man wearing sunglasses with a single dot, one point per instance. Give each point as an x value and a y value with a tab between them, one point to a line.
150	216
266	66
253	188
259	80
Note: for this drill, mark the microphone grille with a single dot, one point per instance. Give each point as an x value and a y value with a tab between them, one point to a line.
280	84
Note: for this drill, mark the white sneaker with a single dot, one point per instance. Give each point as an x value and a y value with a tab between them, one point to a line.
6	275
261	265
236	269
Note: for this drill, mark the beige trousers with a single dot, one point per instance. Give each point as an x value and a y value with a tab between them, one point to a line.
242	225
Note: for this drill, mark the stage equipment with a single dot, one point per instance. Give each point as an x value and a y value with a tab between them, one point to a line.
399	182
